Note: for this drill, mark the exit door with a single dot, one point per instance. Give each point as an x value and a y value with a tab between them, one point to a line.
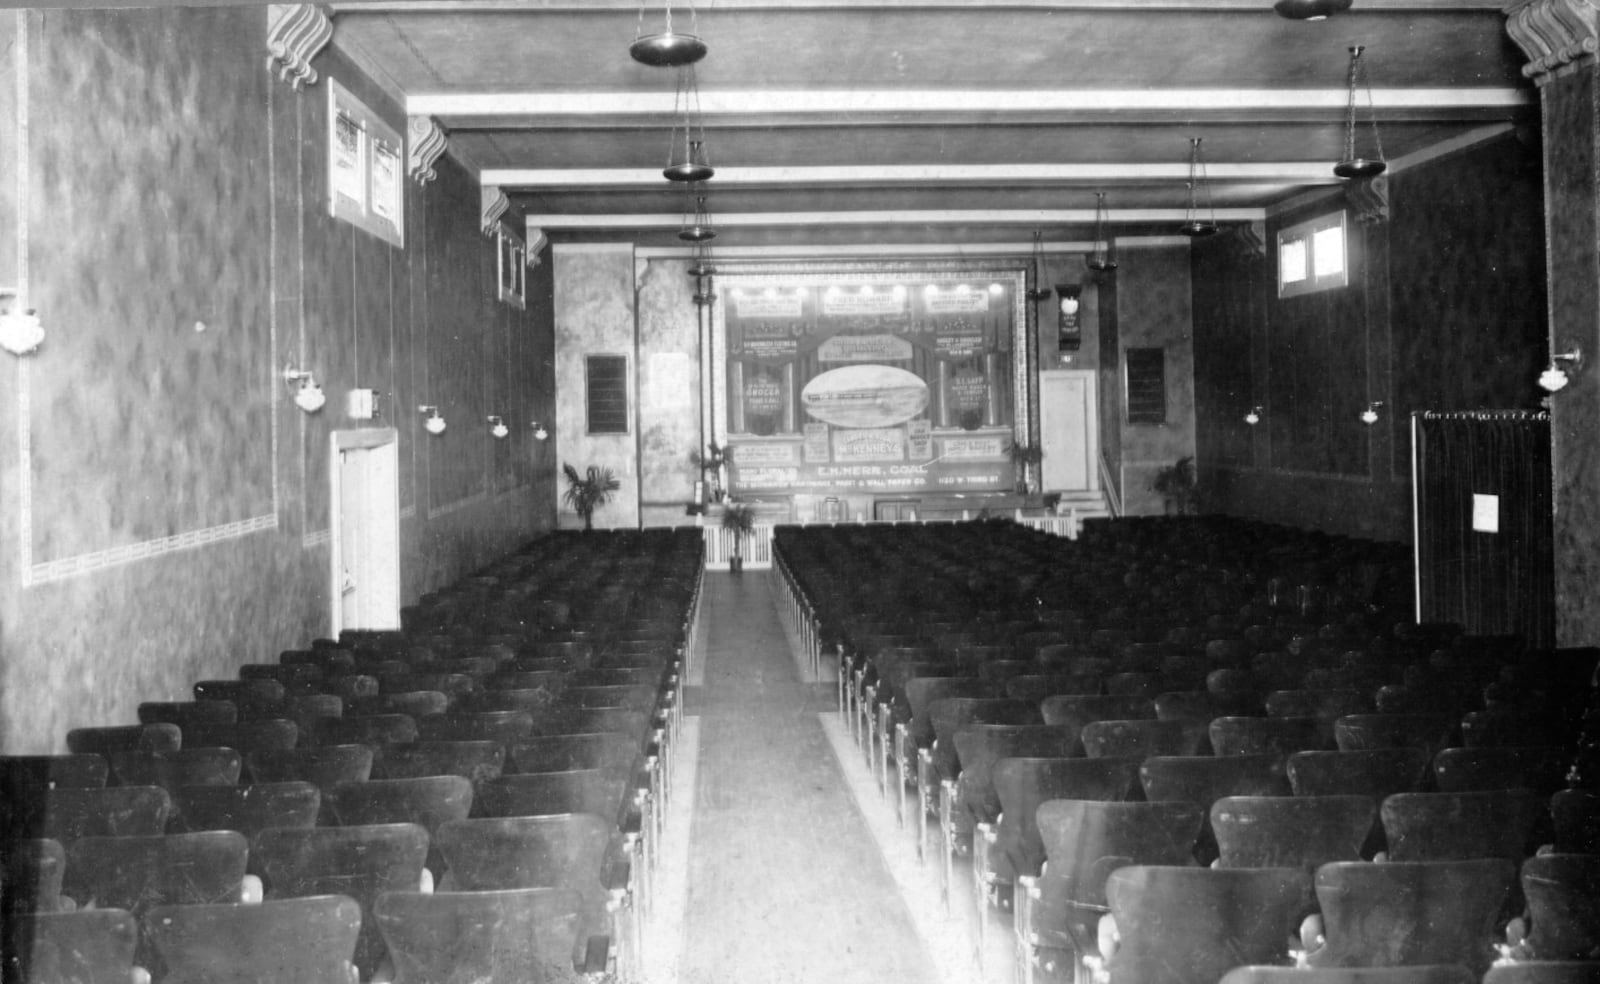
365	530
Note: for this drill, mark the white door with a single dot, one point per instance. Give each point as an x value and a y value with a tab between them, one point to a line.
366	530
1069	430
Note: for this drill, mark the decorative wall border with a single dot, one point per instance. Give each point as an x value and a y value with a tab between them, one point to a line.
33	573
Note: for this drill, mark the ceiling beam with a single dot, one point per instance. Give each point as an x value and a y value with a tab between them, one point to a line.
713	7
932	217
1292	172
841	107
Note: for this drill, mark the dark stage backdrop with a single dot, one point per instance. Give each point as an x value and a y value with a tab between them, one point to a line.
873	381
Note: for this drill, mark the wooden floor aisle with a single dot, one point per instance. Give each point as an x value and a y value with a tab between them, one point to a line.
783	881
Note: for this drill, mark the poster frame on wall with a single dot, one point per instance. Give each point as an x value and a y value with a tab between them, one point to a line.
1010	272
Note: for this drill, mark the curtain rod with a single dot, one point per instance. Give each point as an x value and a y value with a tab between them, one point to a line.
1543	415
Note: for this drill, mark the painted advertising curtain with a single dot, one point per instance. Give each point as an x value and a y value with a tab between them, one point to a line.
872	384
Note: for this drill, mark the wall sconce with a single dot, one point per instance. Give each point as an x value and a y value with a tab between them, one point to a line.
1253	417
539	433
20	332
433	423
308	396
1369	416
498	427
1556	378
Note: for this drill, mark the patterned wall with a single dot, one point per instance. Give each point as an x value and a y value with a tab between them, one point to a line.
1154	306
1445	311
669	392
167	503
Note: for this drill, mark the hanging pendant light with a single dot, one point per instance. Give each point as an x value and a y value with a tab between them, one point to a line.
686	154
1353	165
1103	258
1193	224
1311	10
667	48
697	219
1038	292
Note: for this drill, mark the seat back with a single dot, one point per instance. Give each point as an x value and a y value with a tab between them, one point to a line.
413	703
922	692
1204	779
561	753
249	809
1213	918
309	940
1021	784
1425	730
24	776
566	850
33	870
357	861
185	713
1086	840
324	766
1035	687
427	801
183	767
1544	972
1196	709
68	814
979	746
1410	912
1426	974
1563	893
1452	826
243	737
949	715
1541	768
135	873
163	737
1135	739
93	946
472	760
1291	831
1576	816
1265	735
528	935
597	791
369	729
1327	706
1076	711
1376	772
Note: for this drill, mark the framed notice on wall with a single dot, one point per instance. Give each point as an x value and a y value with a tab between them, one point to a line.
872	377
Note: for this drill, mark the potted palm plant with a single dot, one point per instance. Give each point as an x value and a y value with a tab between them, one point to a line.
738	519
1178	486
587	492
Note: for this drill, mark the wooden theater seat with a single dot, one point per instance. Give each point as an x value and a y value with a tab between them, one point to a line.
1186	925
90	946
248	808
308	940
1290	831
358	861
1410	912
518	934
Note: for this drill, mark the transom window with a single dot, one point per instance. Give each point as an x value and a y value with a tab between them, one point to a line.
1312	256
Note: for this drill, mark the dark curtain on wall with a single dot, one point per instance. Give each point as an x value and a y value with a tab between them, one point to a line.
1493	583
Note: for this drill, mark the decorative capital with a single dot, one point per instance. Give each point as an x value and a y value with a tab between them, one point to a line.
1553	33
537	241
427	144
1369	199
295	33
495	204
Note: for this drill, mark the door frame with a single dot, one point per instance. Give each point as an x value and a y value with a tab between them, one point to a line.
378	576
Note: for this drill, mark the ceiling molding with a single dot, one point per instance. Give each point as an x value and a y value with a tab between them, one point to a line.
932	217
712	7
832	250
612	179
836	107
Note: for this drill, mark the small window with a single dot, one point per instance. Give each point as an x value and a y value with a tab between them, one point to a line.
607	377
365	183
1312	256
1147	385
513	264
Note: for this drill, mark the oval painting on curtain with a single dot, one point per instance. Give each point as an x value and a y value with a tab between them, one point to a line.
865	396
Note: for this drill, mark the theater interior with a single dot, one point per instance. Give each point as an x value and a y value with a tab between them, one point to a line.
800	490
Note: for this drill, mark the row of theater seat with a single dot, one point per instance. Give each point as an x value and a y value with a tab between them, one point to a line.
1209	668
478	793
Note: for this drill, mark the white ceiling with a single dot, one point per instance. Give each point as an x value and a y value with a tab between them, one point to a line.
903	122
